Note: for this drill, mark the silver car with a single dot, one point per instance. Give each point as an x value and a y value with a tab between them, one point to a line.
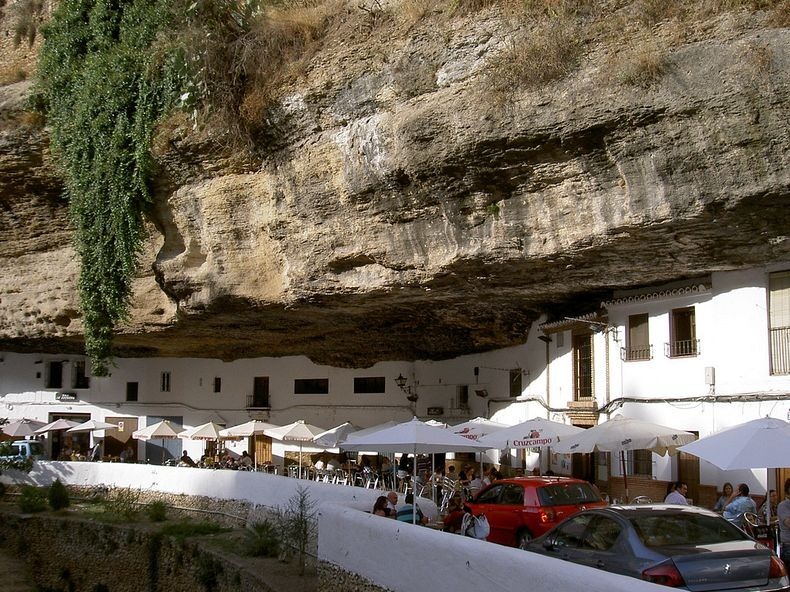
683	547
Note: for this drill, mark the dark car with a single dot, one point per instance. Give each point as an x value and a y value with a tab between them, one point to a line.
522	508
683	547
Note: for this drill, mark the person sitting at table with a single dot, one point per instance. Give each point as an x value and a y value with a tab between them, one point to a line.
726	493
771	499
678	494
381	507
475	483
455	515
245	461
407	511
739	503
392	503
186	460
451	474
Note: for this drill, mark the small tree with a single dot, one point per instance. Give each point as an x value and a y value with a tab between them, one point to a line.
298	523
58	496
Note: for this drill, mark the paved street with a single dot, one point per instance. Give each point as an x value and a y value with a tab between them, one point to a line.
14	574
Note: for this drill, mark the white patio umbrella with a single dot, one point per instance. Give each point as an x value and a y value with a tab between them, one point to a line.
247	429
414	437
758	444
334	437
372	429
93	425
161	430
533	433
299	432
206	431
56	426
476	428
623	433
22	428
364	432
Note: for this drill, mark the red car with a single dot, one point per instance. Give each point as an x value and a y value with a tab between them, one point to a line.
522	508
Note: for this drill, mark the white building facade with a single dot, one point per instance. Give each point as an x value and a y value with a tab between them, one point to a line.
699	355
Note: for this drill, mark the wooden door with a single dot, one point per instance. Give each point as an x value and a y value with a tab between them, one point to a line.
261	449
688	472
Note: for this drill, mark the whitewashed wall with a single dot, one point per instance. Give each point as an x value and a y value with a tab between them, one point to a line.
398	556
405	558
272	491
731	325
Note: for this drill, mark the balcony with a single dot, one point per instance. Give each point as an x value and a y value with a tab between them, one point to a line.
636	353
686	348
257	402
780	351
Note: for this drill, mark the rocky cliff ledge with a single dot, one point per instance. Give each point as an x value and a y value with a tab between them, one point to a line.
407	201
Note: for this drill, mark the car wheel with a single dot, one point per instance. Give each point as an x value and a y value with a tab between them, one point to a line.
523	538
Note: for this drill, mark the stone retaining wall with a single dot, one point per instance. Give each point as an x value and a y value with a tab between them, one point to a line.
71	554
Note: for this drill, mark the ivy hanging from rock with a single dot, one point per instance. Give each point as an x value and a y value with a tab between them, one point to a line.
110	70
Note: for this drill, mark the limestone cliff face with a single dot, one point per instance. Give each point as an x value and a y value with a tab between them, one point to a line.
400	208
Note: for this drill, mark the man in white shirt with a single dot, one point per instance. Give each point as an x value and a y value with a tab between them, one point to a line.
678	495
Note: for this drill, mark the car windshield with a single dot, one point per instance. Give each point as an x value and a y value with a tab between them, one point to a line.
684	529
565	494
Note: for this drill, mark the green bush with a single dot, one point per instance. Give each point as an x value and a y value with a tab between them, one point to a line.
157	511
262	540
32	499
58	496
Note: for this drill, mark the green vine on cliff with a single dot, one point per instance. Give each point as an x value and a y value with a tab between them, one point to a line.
103	88
109	71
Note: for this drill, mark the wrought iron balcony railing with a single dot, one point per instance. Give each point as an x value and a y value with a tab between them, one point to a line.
682	349
643	352
780	350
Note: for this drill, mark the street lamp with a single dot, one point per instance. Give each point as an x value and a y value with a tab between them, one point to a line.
411	394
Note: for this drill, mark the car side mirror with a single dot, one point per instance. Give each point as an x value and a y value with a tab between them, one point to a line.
548	543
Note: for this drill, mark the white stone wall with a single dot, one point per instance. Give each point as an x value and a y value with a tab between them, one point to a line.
405	558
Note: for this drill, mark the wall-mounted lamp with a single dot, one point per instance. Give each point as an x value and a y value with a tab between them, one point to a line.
411	393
